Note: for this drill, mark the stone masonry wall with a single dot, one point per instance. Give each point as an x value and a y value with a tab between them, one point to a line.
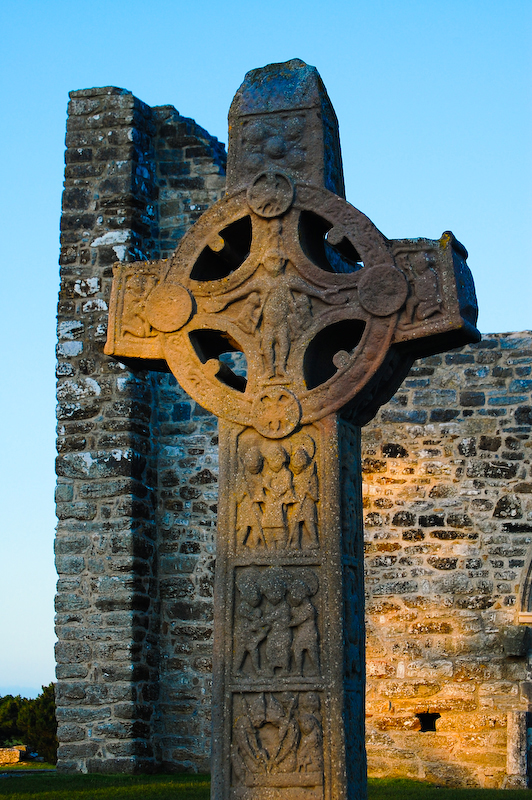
135	179
448	505
188	493
11	755
448	527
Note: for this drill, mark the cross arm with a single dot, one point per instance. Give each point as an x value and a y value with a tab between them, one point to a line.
131	336
440	311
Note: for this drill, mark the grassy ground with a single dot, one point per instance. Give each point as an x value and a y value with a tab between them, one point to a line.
105	787
196	787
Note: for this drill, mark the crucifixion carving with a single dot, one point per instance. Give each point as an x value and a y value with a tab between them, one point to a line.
282	308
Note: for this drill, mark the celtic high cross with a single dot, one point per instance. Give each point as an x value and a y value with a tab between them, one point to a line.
283	307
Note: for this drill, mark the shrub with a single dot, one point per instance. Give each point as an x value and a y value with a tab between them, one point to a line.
31	722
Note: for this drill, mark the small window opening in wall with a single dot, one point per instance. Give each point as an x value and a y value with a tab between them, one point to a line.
428	721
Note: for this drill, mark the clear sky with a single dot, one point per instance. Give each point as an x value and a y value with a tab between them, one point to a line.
434	103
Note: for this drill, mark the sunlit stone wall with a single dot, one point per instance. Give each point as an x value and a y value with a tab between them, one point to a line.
448	526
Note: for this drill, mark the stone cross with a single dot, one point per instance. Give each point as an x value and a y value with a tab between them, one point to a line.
282	307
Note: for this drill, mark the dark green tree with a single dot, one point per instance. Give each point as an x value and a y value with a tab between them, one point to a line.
9	710
37	725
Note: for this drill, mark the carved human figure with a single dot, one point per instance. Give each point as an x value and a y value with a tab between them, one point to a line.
250	626
279	494
249	316
277	615
278	315
303	623
303	316
305	518
248	754
310	751
278	307
134	320
424	300
249	514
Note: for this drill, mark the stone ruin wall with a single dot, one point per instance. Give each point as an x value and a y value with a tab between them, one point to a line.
134	540
447	486
12	755
448	527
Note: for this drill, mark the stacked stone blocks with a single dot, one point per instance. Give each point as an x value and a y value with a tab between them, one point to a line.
132	175
448	526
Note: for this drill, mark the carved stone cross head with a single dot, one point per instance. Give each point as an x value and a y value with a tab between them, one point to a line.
324	308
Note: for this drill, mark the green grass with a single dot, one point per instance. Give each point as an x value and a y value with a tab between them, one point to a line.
106	787
196	787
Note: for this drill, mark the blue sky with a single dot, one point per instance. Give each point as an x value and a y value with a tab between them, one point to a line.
434	103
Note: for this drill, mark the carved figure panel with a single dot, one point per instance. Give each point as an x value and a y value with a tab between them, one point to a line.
130	331
278	495
137	289
441	294
277	739
273	140
277	620
425	299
